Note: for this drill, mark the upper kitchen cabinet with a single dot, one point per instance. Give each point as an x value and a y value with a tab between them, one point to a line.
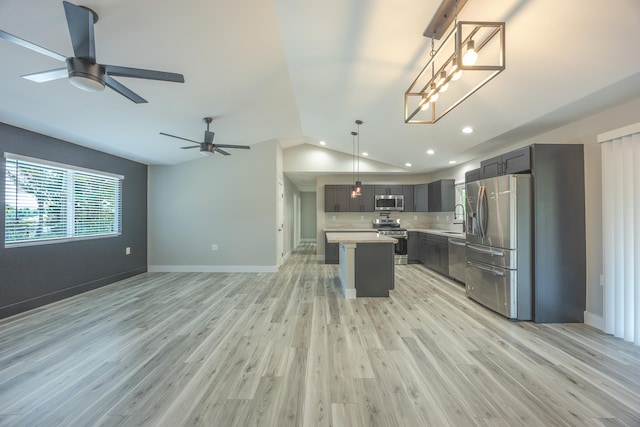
364	203
420	197
472	175
407	192
395	190
518	161
441	195
336	198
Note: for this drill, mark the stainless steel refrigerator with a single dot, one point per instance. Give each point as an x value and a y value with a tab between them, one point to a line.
499	246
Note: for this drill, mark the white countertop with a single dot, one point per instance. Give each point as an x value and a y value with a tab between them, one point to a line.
358	237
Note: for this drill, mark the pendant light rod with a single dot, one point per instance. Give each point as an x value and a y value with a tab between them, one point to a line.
442	19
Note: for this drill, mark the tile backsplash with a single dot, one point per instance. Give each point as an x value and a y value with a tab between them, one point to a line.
424	220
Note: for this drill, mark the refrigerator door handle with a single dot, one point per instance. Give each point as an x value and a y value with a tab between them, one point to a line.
487	269
483	211
485	251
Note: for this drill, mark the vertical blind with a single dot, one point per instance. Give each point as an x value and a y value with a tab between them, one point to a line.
46	201
621	236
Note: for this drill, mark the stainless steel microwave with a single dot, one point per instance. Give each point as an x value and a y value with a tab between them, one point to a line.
389	202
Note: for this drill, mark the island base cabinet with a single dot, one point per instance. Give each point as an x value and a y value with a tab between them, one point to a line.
331	252
374	269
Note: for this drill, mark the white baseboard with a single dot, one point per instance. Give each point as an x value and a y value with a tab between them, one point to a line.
349	293
212	268
594	320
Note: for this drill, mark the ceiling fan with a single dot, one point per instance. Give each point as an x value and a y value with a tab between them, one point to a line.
207	147
82	69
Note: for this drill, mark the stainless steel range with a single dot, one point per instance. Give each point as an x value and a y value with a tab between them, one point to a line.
391	227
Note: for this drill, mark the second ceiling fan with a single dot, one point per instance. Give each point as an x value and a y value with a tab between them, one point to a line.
207	147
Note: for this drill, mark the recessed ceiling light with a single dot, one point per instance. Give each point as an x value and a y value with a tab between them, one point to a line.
452	162
323	143
431	152
364	153
467	129
408	165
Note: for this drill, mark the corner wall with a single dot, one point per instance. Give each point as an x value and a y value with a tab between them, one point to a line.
32	276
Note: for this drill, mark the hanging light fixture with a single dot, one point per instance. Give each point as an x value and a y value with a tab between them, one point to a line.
354	191
358	183
476	47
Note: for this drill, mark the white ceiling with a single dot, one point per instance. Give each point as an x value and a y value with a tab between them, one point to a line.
303	71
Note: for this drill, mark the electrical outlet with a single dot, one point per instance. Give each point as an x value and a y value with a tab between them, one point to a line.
333	217
361	217
415	217
214	247
127	250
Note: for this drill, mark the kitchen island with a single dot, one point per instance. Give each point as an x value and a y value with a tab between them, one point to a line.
366	263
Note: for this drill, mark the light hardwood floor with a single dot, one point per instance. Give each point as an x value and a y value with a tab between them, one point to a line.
286	349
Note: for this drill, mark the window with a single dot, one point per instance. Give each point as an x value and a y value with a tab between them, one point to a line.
49	202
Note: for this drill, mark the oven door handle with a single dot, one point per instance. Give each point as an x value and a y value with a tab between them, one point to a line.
457	243
487	269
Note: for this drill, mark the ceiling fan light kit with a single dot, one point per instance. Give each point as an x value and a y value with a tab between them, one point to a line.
85	75
470	55
82	69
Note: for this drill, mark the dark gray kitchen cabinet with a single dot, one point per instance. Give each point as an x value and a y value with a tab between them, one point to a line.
336	198
472	175
434	252
331	252
421	197
437	253
365	202
441	195
423	249
559	239
407	192
413	247
517	161
394	190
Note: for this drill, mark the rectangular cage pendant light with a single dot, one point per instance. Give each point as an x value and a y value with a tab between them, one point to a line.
468	57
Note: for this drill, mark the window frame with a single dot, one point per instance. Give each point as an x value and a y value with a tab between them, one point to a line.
70	172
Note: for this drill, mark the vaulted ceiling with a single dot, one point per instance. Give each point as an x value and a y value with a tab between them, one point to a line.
303	71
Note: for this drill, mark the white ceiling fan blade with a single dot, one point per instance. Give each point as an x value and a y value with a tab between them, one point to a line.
32	46
47	76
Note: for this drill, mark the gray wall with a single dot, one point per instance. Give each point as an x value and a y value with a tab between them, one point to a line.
229	201
31	276
308	215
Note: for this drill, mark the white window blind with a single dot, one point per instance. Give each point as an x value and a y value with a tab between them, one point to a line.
47	202
621	232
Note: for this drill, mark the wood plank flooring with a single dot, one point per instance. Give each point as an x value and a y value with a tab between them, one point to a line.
286	349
